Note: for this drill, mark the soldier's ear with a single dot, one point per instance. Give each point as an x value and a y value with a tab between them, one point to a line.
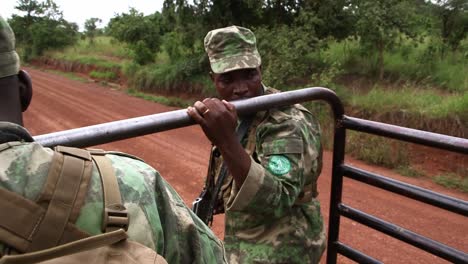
25	89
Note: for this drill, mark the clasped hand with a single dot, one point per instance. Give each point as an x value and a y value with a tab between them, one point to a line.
217	118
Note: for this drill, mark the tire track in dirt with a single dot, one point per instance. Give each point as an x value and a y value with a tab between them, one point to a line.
181	155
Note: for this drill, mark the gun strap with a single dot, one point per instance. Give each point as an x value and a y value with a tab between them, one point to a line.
240	132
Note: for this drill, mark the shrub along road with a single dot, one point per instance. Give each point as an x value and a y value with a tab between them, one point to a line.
181	156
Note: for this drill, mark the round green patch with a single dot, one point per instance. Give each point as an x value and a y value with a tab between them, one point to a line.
279	165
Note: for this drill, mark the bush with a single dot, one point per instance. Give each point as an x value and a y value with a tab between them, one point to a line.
141	53
377	150
287	54
185	76
451	180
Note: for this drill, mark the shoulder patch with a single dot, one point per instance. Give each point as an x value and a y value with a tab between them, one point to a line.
279	164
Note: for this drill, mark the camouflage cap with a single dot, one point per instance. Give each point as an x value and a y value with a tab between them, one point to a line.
232	48
9	60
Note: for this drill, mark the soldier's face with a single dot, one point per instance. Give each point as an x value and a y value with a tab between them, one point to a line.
239	84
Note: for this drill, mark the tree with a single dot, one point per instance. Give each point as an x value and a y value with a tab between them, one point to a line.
222	13
453	16
91	28
185	30
327	18
379	23
142	33
41	27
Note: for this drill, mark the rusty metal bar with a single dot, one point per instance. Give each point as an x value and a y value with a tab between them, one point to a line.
419	241
426	196
440	141
139	126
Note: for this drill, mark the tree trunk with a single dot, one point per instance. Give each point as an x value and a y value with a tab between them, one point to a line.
381	60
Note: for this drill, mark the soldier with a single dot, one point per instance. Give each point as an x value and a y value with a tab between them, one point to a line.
272	214
158	218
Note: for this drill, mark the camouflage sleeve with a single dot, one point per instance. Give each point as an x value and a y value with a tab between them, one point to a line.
286	145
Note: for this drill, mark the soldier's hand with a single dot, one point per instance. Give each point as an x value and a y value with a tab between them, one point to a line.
217	118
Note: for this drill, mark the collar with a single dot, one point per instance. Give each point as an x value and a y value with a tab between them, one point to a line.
264	88
13	132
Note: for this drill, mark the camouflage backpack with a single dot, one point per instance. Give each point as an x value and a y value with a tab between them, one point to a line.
44	231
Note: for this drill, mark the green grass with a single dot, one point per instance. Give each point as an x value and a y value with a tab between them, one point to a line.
428	103
105	53
70	75
104	46
179	77
452	181
100	62
171	101
409	171
377	150
411	61
107	76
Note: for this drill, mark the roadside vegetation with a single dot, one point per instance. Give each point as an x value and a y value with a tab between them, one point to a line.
402	62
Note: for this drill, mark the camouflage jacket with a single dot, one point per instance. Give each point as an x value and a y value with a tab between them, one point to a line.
159	218
274	217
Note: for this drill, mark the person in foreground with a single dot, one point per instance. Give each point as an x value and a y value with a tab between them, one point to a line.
153	212
269	197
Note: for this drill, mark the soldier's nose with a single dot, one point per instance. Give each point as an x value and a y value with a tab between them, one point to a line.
241	89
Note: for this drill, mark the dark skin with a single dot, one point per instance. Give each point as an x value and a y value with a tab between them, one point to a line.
218	118
10	107
15	97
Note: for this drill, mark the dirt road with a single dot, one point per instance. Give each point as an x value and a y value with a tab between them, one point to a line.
181	155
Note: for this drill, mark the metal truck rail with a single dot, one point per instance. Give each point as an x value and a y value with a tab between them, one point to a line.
118	130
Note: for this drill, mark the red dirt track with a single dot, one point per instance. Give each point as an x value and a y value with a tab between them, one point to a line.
181	156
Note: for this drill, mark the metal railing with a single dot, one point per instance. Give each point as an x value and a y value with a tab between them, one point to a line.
118	130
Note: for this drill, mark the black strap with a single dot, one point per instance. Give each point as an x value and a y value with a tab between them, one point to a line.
240	132
13	132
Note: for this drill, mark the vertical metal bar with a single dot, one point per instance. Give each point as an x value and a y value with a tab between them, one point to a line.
336	190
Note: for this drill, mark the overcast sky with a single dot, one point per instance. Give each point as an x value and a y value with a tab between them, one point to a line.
79	10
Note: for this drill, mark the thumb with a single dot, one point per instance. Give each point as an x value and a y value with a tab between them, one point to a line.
229	106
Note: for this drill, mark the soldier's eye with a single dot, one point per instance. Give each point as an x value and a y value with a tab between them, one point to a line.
251	74
225	80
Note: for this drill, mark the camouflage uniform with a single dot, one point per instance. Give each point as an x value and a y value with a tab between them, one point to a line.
158	217
274	217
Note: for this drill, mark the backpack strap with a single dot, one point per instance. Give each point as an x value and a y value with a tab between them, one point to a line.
17	229
115	213
7	145
66	249
69	167
33	227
